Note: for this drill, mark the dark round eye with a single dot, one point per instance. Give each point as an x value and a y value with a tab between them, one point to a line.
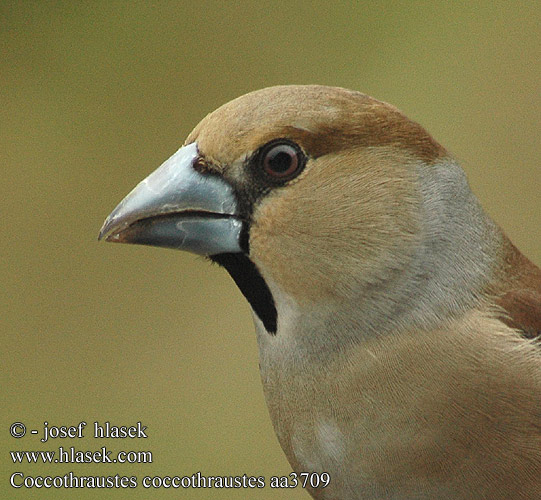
281	160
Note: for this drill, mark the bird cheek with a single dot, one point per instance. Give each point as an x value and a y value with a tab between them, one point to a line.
285	256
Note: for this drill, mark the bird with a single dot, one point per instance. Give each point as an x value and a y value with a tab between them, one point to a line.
398	327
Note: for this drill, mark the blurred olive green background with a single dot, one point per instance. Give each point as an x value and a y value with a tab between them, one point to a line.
95	95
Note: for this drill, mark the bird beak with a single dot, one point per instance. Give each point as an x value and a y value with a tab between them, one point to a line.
178	207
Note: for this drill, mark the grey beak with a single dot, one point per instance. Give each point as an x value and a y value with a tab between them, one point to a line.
178	207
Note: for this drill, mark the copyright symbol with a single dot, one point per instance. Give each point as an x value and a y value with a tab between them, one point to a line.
17	430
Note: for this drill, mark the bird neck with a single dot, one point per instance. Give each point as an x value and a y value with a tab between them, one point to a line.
446	273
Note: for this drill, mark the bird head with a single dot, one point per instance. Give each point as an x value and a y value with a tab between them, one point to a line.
310	195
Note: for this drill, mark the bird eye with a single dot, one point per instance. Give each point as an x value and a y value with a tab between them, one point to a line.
281	160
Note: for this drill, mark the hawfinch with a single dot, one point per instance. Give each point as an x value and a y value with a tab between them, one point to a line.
397	325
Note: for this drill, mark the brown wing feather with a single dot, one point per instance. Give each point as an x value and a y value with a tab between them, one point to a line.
520	296
524	310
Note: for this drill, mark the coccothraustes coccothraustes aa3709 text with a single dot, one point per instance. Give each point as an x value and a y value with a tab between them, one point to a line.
396	323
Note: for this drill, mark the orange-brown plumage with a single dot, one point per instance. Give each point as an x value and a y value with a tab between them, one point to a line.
330	119
396	323
519	292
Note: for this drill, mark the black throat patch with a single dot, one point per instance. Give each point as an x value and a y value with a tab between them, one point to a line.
252	285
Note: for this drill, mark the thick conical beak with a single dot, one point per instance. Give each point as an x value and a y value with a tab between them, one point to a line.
178	207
